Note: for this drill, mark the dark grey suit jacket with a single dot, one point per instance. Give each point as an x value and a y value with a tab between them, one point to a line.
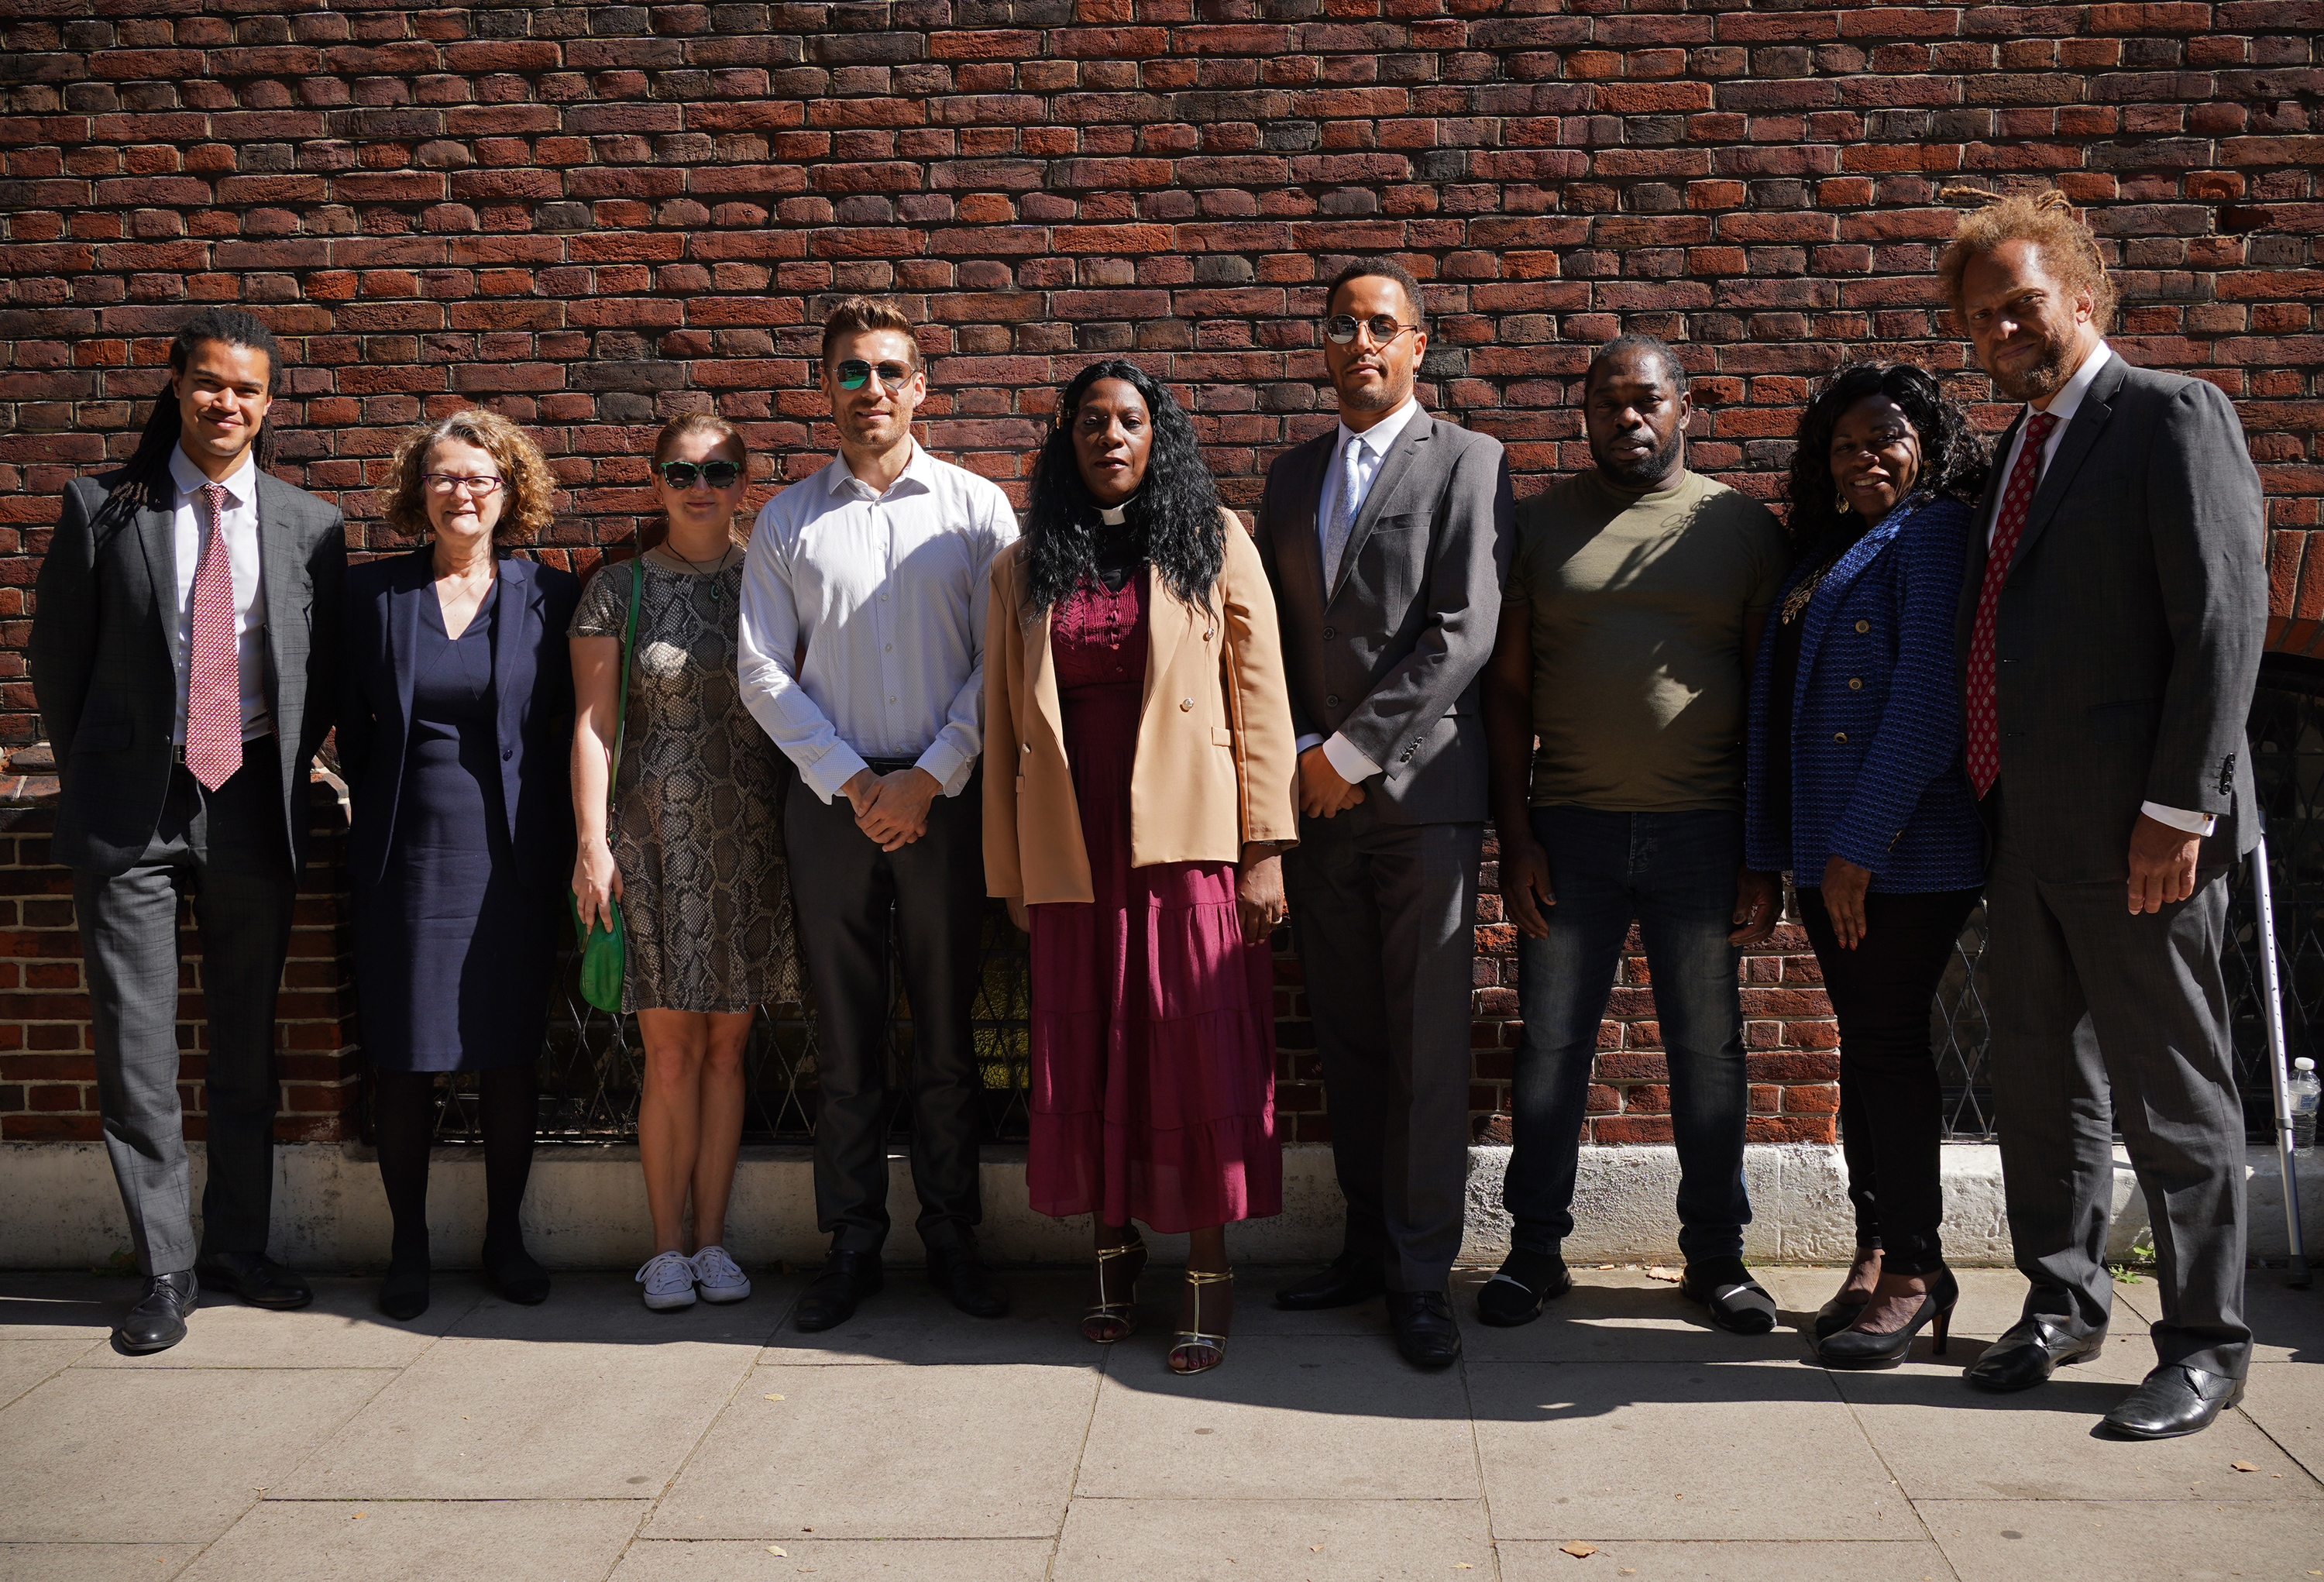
1390	656
2128	635
105	632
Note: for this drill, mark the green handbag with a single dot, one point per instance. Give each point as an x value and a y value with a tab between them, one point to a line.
604	952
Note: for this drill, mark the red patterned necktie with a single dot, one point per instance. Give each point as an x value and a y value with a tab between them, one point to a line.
213	667
2008	525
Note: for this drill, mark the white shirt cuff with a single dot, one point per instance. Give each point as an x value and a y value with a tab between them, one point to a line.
2180	818
828	775
943	763
1353	765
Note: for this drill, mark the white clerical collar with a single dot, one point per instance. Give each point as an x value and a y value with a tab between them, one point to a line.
1112	515
1382	434
190	479
2069	401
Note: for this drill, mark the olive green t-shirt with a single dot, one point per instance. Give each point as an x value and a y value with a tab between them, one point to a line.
1638	607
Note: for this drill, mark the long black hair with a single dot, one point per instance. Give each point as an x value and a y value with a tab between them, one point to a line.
1176	512
148	466
1952	456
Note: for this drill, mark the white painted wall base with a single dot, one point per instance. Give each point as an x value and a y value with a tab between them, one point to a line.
587	1208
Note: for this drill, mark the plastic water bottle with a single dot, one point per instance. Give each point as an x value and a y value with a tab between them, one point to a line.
2305	1092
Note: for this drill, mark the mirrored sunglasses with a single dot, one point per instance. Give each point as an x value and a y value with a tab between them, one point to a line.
1341	328
718	475
854	373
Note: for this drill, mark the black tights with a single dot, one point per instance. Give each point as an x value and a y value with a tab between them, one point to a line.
403	1122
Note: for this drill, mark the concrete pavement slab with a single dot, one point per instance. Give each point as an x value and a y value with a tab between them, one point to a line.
846	1453
1677	1451
909	1322
1329	1417
605	1309
94	1563
172	1456
1712	1560
59	1306
863	1559
2191	1540
2287	1325
1621	1314
2286	1399
1282	1540
343	1328
25	1362
441	1541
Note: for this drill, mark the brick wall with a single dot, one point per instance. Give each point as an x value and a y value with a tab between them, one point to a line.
592	218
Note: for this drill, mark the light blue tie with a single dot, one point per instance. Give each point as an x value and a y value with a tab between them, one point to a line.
1343	515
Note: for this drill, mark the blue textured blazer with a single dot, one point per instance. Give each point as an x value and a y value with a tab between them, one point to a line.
1877	767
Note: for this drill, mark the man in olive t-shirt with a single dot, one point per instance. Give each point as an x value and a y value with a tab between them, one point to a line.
1637	599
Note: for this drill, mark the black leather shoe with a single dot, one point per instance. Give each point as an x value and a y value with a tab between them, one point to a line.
1738	1304
1426	1332
514	1274
2174	1400
2029	1351
1527	1280
255	1278
847	1277
404	1294
1864	1348
1346	1280
158	1321
960	1274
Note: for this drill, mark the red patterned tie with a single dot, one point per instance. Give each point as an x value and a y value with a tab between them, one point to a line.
2008	525
214	669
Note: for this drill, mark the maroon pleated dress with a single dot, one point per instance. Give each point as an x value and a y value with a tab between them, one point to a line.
1153	1024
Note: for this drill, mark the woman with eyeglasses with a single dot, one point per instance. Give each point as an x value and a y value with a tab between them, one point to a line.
451	736
693	857
1133	680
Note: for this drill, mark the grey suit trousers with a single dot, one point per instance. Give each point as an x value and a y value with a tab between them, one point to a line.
225	851
2102	1019
1385	917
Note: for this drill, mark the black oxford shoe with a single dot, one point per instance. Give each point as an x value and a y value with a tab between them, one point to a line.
158	1321
255	1278
2174	1400
847	1277
2029	1352
1346	1280
960	1274
1426	1332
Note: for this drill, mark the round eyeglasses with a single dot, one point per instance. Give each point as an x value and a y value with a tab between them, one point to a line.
1341	328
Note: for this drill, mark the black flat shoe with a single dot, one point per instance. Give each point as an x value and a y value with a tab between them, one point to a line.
1346	1280
1426	1332
1738	1304
2173	1401
960	1274
404	1294
255	1278
514	1274
2029	1351
1527	1280
847	1277
158	1321
1867	1348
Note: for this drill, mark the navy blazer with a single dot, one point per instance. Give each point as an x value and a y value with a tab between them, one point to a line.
532	687
1876	734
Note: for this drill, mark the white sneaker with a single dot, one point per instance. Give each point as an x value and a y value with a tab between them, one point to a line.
668	1280
721	1281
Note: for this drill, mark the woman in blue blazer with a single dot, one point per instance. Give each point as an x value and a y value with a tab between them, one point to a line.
1857	787
452	735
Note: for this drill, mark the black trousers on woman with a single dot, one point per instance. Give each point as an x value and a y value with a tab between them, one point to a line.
1890	1119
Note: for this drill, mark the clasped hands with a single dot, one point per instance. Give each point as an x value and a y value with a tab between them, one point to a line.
891	810
1526	892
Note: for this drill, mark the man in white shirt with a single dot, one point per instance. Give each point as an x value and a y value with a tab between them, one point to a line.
863	657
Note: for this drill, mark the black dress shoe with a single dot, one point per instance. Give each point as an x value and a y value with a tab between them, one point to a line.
2029	1351
960	1274
847	1277
1527	1280
255	1278
1738	1304
404	1294
2174	1400
1836	1315
1867	1348
1346	1280
158	1321
514	1274
1426	1332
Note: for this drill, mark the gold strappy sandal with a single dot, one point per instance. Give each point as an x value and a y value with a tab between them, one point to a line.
1124	1312
1188	1340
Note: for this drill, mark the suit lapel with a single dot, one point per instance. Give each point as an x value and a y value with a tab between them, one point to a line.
2074	447
1844	571
403	628
1165	626
156	527
1298	546
1392	469
516	618
280	568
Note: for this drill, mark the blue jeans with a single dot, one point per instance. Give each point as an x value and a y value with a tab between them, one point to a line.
1675	873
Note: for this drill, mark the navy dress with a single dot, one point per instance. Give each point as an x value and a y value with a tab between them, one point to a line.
448	939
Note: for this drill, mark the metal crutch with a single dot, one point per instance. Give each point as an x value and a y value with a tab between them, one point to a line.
2279	1066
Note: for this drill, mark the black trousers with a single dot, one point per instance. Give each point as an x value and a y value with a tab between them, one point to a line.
847	891
1890	1121
225	851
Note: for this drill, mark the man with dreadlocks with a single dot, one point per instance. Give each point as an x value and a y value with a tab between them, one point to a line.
185	652
2111	618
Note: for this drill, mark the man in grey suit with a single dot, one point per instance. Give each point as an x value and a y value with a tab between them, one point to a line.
1386	540
2111	621
184	652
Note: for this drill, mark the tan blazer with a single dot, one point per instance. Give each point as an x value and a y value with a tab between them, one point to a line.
1216	763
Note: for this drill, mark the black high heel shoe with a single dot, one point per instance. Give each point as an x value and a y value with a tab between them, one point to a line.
1863	1348
1838	1313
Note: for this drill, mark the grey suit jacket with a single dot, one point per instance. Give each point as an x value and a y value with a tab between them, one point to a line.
105	634
1390	655
2128	635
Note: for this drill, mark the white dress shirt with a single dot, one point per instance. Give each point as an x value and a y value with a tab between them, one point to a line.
885	595
189	529
2063	406
1371	450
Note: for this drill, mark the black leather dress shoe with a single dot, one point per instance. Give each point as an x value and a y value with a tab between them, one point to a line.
255	1278
960	1274
158	1321
2174	1400
847	1277
1527	1280
1346	1280
2029	1351
1426	1332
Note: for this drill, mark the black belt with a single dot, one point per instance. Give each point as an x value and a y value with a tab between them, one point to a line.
890	765
177	749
